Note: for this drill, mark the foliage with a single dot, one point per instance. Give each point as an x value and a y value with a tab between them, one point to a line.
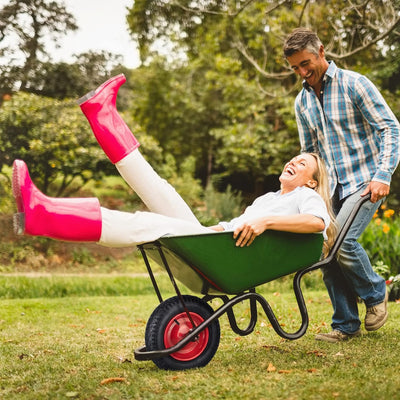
352	31
225	86
53	138
223	93
219	206
72	80
29	22
382	269
24	62
6	205
381	240
216	115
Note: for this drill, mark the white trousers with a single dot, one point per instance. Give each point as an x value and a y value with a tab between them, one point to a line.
169	214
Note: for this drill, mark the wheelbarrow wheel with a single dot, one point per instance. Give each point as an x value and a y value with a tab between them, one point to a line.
169	324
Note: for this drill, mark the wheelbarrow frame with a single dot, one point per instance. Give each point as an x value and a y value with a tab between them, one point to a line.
142	353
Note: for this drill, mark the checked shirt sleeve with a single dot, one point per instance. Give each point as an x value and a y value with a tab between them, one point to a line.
384	124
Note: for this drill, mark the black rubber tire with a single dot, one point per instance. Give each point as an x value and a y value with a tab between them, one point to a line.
158	329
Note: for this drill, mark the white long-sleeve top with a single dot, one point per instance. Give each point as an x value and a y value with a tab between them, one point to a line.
302	200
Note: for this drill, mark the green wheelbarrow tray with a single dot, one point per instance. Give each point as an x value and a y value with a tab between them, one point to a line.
209	263
183	331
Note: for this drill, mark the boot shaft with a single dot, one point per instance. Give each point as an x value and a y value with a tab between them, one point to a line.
110	130
69	219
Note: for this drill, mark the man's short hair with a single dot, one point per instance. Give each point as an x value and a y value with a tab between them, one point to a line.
301	39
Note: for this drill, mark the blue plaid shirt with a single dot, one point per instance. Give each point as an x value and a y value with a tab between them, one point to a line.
352	128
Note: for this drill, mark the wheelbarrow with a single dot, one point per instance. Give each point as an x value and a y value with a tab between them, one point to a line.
183	331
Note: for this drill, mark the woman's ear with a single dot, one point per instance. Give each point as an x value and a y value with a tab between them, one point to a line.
312	184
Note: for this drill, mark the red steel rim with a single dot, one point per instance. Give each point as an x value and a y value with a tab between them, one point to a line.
177	329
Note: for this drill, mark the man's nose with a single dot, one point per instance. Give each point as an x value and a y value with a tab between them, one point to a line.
302	71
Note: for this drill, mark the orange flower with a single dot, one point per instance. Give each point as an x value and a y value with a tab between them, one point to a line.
385	228
378	221
388	213
375	215
383	207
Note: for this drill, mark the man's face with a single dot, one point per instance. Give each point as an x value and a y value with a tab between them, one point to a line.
309	66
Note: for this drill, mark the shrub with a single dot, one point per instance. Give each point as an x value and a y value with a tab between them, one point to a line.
219	206
381	239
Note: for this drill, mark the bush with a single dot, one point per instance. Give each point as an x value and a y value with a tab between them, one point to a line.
381	239
6	202
219	206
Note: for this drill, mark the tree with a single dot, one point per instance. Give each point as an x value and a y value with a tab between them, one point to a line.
210	110
72	80
54	139
225	92
256	28
23	26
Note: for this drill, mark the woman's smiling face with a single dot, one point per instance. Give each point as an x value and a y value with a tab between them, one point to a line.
299	171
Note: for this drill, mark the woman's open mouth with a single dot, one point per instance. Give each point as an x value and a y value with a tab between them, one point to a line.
290	171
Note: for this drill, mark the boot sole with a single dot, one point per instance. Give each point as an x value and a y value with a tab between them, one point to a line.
378	325
334	339
19	223
329	340
86	97
19	217
16	187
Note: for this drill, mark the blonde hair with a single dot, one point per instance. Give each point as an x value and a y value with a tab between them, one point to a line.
322	188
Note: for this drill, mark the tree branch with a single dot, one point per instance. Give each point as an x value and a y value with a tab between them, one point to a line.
270	75
303	11
367	45
205	11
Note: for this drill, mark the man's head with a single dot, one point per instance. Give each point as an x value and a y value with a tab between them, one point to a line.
301	39
306	56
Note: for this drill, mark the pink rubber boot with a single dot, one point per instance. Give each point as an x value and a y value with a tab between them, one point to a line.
110	130
75	219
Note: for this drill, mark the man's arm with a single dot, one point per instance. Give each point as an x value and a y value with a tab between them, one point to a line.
382	121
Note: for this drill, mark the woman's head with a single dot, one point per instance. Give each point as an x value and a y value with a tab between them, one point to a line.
302	170
308	169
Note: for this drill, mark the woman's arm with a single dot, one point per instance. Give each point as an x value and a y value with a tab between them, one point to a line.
217	228
299	223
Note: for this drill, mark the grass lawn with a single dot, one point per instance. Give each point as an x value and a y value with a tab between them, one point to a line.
70	347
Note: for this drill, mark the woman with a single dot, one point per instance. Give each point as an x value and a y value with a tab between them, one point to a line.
297	207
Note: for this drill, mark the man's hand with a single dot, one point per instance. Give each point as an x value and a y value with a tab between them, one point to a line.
378	191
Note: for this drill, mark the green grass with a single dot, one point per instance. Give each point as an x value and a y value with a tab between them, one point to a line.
53	286
64	347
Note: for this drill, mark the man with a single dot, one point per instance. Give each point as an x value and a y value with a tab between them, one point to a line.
343	117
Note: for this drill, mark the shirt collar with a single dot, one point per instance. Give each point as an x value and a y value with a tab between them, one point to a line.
330	73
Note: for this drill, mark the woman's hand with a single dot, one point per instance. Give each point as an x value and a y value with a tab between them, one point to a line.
217	228
247	232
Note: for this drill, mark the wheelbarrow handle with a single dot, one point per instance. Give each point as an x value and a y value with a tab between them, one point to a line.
341	235
346	226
